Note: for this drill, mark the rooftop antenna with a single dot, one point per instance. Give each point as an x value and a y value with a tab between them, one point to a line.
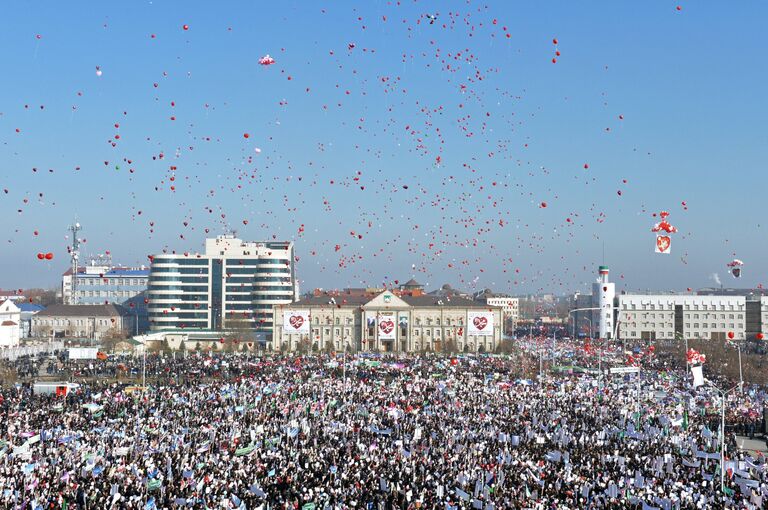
75	255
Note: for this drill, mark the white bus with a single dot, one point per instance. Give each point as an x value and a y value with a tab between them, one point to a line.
60	389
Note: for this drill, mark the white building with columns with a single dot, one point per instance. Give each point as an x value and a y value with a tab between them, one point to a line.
387	322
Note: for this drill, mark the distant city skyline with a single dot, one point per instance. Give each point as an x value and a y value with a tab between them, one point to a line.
388	146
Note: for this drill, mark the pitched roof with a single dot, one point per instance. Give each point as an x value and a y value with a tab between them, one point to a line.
341	300
110	310
445	302
360	300
30	307
411	283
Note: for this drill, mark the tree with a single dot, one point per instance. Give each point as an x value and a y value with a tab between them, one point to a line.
238	332
505	347
111	338
305	346
450	346
43	331
45	297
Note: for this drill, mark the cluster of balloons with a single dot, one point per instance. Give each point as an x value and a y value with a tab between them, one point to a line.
45	256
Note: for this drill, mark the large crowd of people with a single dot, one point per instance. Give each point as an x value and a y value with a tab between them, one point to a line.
375	432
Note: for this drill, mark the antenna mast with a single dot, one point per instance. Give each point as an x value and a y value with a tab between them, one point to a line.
75	254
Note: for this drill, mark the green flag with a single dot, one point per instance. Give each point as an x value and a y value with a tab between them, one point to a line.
685	420
154	485
244	451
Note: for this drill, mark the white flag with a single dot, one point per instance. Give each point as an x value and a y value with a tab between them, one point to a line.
698	376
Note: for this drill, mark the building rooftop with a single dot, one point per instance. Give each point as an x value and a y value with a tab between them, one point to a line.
355	300
120	272
110	310
115	271
11	294
30	307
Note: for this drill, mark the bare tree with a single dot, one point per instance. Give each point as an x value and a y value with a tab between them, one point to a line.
111	338
450	346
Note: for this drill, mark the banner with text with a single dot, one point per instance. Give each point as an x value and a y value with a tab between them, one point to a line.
480	323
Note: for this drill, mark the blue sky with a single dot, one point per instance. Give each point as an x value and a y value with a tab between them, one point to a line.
346	128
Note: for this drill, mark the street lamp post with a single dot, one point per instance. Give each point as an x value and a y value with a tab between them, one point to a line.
590	320
723	394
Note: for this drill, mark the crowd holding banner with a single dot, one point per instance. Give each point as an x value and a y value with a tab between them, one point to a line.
376	432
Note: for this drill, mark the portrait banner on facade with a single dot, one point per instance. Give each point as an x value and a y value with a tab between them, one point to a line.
480	323
387	326
402	323
296	321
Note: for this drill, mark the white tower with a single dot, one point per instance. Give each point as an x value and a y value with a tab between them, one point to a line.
603	293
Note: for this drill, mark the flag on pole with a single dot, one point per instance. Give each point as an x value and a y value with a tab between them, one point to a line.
698	376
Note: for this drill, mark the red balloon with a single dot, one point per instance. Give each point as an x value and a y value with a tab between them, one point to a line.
49	256
731	335
454	361
185	27
759	336
40	256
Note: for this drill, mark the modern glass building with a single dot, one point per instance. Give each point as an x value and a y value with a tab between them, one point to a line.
233	285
